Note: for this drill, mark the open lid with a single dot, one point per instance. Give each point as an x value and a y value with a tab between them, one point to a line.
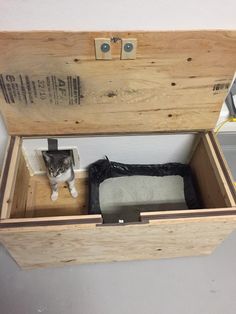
51	82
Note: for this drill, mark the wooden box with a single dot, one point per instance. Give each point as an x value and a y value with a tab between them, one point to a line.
174	87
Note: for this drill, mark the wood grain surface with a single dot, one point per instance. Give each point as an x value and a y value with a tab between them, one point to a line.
178	81
78	244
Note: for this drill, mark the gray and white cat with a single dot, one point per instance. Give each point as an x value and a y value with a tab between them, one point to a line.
59	169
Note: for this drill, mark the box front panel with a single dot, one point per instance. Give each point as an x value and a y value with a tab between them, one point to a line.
59	246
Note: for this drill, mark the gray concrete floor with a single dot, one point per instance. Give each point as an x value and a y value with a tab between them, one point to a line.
199	285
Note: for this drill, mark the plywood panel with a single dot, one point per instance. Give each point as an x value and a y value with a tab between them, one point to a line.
20	195
210	179
9	176
42	206
224	165
178	81
79	244
32	197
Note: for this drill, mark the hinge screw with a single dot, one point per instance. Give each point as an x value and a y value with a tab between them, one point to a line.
105	47
128	47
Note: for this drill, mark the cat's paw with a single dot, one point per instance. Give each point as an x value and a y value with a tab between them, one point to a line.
74	193
54	196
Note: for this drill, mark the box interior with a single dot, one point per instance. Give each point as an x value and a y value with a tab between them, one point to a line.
31	192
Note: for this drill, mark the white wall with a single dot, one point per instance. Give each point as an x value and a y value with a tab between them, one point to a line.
117	14
151	149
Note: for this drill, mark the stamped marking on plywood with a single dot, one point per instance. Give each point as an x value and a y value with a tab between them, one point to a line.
27	90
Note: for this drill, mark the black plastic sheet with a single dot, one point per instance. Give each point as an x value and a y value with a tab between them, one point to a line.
104	169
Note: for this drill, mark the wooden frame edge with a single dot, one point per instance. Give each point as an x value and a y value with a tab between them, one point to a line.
223	162
5	169
50	221
219	172
9	176
192	213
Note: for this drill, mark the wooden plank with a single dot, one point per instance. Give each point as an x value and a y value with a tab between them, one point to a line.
18	224
189	213
219	173
40	204
224	165
79	244
11	173
172	85
209	178
30	201
19	203
80	45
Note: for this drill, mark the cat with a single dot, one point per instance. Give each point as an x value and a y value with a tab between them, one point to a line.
59	168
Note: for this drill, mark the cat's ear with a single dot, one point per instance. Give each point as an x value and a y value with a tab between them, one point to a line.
67	161
46	157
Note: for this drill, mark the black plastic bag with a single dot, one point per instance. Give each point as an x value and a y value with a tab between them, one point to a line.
104	169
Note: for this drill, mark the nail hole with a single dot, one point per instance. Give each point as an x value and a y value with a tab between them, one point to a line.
189	59
169	115
111	94
76	60
77	122
159	249
173	84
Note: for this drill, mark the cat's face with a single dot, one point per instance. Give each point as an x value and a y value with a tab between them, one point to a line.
56	163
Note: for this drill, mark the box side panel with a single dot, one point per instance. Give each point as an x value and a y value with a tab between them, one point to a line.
178	82
65	245
211	181
224	165
9	175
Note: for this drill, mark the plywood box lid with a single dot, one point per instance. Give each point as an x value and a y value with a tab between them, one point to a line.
177	82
